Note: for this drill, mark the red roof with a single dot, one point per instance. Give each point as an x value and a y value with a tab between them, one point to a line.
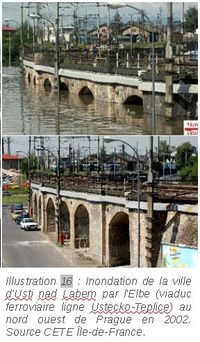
8	29
11	157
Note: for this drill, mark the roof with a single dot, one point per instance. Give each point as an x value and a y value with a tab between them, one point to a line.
8	29
11	157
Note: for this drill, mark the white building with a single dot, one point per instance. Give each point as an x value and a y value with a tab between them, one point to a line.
65	34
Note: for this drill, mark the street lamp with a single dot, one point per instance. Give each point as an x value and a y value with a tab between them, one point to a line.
110	140
153	113
57	55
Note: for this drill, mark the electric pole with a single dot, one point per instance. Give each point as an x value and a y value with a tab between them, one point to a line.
169	65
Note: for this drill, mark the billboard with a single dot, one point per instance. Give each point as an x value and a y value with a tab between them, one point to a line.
178	256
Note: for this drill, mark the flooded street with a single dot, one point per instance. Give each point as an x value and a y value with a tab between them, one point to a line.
32	112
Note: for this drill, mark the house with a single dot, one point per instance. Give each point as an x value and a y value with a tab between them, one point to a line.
8	29
103	32
65	34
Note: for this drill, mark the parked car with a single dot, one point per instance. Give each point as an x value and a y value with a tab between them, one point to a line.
16	213
28	223
20	217
16	206
6	193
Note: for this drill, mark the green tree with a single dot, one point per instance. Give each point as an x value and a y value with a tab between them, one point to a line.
116	25
102	155
191	20
164	150
15	43
184	152
24	165
189	172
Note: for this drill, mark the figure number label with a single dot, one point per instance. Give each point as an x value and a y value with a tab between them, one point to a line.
66	280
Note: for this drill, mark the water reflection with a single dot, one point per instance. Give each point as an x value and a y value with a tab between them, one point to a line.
27	110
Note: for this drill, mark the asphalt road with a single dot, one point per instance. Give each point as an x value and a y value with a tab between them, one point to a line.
30	248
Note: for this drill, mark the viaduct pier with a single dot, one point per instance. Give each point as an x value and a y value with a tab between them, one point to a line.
102	222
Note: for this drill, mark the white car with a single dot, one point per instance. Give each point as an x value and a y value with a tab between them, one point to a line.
28	223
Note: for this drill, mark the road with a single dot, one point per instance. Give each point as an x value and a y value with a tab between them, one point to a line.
32	248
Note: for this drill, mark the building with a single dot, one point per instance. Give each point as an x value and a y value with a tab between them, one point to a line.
8	29
65	34
11	161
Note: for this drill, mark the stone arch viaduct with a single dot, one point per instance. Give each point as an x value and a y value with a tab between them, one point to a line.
106	226
113	88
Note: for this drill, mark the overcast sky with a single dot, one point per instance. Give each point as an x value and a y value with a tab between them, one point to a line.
11	10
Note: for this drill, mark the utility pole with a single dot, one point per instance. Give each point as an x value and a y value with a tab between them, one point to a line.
22	38
8	142
42	155
148	246
29	176
3	146
57	207
57	57
169	65
182	31
182	17
98	154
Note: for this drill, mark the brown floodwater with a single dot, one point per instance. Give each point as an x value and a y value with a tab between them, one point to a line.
26	110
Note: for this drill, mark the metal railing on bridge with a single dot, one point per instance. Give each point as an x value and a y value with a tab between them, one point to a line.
136	63
127	187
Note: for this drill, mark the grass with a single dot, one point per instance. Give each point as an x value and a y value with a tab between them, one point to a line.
82	255
16	197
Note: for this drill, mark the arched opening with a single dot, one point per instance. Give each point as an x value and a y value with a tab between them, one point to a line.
86	95
82	227
47	85
134	105
119	240
134	100
40	211
64	88
34	80
65	221
50	216
29	77
85	91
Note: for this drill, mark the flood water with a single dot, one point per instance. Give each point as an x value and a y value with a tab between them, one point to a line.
28	111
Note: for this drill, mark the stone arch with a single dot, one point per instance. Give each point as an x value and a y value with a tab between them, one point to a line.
119	240
82	227
65	220
64	87
86	91
134	100
47	85
50	208
29	77
34	80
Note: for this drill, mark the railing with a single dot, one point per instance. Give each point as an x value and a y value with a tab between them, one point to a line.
136	63
126	187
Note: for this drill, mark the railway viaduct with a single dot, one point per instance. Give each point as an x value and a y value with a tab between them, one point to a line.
105	227
114	88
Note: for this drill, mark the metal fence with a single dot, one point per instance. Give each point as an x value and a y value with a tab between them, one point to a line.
126	187
136	63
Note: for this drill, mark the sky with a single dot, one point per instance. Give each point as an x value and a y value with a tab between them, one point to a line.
11	10
20	143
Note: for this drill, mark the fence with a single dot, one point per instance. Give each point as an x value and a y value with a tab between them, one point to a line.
137	63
